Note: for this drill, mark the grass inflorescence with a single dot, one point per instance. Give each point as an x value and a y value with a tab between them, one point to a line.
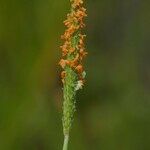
73	52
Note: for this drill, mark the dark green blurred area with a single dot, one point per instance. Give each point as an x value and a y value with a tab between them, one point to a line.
113	110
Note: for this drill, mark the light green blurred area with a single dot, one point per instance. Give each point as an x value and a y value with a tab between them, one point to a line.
113	109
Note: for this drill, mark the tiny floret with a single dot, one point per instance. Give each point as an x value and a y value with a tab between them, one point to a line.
79	85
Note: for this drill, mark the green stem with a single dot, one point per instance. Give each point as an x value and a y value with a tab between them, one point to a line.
66	140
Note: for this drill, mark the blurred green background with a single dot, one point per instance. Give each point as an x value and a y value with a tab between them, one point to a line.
113	110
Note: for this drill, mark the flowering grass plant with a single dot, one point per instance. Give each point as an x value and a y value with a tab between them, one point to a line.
73	52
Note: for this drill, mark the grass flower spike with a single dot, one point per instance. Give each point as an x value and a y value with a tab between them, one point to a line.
73	52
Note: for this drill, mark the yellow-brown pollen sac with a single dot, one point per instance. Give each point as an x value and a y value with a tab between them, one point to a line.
74	40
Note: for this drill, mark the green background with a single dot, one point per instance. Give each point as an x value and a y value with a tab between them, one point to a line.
113	110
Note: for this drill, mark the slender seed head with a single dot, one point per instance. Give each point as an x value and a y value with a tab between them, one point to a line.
73	52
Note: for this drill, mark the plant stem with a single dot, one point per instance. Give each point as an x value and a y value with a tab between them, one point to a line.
66	140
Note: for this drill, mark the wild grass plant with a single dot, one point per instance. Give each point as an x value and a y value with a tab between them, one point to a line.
73	74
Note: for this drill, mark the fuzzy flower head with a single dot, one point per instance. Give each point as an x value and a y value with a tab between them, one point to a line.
73	49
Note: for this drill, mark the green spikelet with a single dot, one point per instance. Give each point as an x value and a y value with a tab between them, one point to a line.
69	99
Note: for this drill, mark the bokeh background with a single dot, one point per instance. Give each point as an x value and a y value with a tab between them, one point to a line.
113	110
